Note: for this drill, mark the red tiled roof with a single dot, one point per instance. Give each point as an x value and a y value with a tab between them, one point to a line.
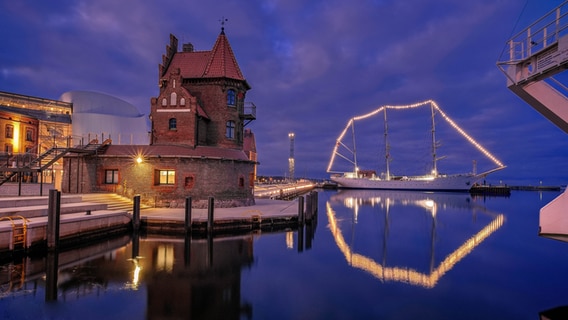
174	151
220	62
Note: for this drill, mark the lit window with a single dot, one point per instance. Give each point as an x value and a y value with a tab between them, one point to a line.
167	177
9	131
231	97
230	132
173	124
111	176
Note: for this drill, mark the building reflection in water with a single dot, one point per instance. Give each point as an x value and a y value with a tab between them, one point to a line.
386	202
182	278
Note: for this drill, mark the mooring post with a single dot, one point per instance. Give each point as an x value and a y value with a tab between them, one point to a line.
51	272
136	213
308	207
187	215
53	217
210	214
300	211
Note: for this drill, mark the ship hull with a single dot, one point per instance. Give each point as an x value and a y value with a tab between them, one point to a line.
441	183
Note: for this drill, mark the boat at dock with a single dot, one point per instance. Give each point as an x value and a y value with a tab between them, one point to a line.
432	181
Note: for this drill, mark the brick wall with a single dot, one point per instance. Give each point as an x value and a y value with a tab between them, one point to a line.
228	181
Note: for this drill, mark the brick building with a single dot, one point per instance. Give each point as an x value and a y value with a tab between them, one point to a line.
197	139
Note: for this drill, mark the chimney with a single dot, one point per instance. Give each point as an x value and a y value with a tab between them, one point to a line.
187	47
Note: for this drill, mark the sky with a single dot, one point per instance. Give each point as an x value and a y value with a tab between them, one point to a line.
312	66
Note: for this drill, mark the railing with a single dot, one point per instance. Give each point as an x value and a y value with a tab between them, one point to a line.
249	110
540	35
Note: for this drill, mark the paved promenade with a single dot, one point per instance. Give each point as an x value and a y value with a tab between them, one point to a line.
264	208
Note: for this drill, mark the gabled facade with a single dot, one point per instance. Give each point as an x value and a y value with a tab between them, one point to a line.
197	138
201	100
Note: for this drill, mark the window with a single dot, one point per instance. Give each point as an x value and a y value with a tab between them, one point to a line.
189	181
231	97
173	99
241	182
9	131
29	134
166	177
164	102
173	124
8	148
182	101
111	176
230	132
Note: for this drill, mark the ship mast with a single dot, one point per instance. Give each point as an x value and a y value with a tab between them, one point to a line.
387	147
434	166
354	148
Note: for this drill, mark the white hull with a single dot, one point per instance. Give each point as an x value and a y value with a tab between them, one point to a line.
441	183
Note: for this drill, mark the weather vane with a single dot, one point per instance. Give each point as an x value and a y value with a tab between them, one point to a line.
223	20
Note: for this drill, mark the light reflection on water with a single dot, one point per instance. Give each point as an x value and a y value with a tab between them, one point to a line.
372	254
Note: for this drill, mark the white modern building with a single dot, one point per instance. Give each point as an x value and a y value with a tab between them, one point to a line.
100	116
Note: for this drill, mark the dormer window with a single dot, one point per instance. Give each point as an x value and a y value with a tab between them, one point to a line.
231	97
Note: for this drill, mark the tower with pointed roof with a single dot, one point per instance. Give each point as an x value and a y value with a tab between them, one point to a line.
201	99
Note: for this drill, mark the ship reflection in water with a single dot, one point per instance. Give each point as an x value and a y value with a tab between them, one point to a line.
402	217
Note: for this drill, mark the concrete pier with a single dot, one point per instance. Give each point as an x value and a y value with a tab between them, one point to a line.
26	228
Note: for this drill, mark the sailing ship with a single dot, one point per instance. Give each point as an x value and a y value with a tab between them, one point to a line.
432	181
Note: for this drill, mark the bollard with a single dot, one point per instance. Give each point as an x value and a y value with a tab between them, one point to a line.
301	210
51	272
53	217
187	215
210	214
136	213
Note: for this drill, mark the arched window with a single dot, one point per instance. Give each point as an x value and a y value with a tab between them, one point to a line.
164	102
230	132
182	101
231	97
173	124
173	99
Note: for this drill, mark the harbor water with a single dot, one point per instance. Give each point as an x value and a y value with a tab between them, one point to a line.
369	255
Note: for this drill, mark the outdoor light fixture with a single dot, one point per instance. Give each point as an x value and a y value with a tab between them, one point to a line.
139	159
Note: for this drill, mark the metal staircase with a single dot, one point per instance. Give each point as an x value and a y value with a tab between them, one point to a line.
530	60
532	57
25	163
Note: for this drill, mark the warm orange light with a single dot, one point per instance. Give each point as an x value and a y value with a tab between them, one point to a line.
139	159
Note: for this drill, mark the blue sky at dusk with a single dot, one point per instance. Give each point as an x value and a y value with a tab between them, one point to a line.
312	66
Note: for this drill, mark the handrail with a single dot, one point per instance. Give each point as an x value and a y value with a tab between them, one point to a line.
540	35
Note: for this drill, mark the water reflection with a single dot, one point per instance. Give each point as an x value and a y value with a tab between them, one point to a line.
402	218
179	277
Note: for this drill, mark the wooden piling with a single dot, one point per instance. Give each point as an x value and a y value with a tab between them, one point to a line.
210	214
301	210
53	217
188	215
309	203
136	213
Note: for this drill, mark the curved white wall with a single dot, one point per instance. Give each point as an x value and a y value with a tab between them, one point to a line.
97	115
